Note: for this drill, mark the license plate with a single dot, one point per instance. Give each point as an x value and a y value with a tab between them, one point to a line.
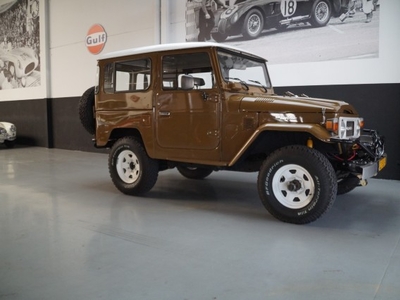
382	163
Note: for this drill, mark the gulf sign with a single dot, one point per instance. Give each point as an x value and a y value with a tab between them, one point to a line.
96	39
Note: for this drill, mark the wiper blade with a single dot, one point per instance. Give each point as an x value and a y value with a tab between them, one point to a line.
264	87
240	80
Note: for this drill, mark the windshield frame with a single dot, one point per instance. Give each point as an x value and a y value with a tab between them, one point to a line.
265	82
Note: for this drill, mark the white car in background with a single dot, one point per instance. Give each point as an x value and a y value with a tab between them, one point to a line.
8	134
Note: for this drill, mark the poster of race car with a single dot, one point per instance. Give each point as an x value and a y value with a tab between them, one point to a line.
289	31
19	44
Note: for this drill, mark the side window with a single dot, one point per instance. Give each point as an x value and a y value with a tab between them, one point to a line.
197	65
127	76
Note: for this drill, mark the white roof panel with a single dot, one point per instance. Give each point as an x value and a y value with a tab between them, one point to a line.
172	46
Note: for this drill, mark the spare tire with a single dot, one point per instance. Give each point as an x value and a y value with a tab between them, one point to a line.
86	104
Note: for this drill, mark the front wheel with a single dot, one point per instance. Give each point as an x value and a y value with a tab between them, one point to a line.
320	13
132	171
253	24
297	184
219	37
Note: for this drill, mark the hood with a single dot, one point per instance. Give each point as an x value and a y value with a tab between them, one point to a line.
293	104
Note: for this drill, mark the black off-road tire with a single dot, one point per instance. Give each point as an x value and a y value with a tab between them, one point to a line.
132	171
297	184
253	24
86	111
194	173
321	13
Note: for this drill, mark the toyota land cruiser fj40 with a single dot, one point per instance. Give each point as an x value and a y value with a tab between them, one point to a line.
204	107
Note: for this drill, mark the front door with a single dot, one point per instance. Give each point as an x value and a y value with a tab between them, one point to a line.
188	107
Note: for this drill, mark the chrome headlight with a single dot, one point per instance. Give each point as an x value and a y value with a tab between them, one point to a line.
345	128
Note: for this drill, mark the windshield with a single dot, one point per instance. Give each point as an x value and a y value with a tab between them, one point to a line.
247	70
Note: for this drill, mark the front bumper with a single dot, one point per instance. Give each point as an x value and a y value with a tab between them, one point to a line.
371	169
364	157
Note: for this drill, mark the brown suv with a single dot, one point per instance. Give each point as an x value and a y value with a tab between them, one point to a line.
204	107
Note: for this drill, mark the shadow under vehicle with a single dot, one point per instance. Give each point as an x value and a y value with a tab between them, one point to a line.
250	17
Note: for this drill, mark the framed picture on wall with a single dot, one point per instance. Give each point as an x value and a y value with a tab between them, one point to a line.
289	31
22	49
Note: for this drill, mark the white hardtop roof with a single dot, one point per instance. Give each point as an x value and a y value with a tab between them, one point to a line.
173	46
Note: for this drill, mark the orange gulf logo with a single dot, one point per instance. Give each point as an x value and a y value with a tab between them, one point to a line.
96	39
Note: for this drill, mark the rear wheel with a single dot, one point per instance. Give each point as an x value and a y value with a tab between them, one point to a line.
253	24
194	172
297	184
321	13
132	171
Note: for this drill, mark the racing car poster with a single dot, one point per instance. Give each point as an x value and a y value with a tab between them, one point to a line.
20	45
289	31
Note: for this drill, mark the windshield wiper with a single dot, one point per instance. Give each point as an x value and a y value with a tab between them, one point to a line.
240	80
263	86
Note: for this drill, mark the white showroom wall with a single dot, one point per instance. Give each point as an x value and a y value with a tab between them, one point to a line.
128	24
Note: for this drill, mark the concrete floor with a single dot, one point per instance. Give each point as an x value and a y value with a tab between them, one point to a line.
67	233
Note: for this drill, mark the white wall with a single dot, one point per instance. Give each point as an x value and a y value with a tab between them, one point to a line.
128	23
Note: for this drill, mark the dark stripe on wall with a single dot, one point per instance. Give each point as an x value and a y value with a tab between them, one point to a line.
54	123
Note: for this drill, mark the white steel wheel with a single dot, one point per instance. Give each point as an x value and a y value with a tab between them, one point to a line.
128	166
293	186
132	171
297	184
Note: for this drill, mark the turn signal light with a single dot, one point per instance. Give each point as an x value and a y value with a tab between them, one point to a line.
361	123
332	125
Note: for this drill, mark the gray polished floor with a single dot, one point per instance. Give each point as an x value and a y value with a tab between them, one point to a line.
67	233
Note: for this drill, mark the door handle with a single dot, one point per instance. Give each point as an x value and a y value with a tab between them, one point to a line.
164	113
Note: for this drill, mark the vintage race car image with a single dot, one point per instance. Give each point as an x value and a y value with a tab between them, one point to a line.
20	62
8	134
250	18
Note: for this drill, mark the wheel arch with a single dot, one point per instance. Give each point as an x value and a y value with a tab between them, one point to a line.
260	141
118	133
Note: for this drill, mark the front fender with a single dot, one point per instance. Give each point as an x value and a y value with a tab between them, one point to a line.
315	130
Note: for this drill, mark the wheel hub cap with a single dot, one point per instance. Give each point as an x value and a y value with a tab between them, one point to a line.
128	167
293	186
